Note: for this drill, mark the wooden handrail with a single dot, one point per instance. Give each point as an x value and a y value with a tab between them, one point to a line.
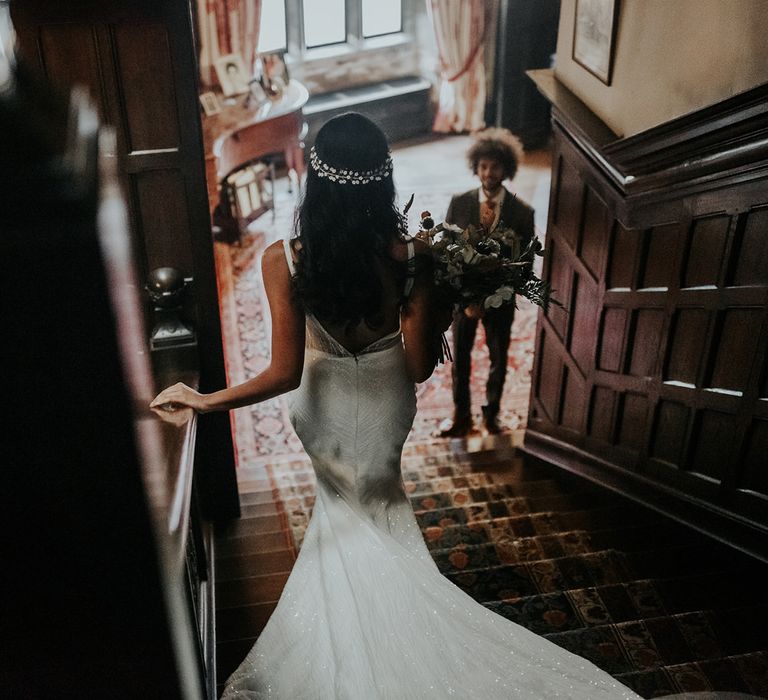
178	514
177	429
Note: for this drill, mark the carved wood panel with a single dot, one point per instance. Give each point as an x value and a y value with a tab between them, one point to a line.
659	364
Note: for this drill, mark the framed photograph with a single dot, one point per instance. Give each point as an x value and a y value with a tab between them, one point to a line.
274	73
232	75
594	36
258	94
210	103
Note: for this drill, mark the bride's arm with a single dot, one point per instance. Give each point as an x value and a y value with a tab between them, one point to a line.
423	319
285	367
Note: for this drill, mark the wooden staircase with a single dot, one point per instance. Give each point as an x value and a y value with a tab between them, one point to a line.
659	606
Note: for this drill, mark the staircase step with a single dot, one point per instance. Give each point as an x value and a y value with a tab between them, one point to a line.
498	529
500	468
529	549
250	510
634	538
242	622
524	549
441	465
245	485
414	487
625	602
448	471
447	492
511	507
302	498
582	607
251	590
251	525
239	566
643	645
254	544
711	590
513	581
742	673
257	497
696	558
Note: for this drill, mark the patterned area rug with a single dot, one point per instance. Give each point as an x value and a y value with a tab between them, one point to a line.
263	433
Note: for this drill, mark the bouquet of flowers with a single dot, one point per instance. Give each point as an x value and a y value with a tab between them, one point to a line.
475	267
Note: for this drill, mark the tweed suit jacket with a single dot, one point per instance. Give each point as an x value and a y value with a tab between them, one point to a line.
464	210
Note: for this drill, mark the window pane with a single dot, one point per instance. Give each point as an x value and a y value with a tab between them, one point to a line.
382	17
324	22
272	28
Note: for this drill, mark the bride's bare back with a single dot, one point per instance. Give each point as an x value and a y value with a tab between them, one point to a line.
393	281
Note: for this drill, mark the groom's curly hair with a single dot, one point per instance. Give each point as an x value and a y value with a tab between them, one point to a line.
499	144
345	230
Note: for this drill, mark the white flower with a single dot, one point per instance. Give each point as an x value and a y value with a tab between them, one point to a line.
501	295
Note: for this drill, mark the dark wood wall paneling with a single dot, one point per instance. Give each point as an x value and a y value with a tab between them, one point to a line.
655	381
138	59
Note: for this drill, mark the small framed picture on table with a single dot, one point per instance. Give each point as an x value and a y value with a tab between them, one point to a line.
232	75
274	74
210	103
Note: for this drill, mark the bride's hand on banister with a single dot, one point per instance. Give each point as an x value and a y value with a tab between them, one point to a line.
180	395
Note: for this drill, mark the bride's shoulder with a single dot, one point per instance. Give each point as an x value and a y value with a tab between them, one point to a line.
273	253
274	258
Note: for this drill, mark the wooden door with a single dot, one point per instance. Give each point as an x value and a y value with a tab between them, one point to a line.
138	59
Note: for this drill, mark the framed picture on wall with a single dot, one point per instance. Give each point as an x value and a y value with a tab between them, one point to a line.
594	36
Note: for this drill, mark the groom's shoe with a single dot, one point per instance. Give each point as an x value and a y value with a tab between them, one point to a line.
491	422
461	426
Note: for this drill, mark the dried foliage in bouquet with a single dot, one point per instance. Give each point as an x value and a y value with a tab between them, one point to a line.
487	269
478	269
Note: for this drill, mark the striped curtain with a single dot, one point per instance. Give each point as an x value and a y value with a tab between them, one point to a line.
227	26
460	28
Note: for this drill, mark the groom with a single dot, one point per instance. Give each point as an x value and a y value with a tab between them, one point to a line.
494	156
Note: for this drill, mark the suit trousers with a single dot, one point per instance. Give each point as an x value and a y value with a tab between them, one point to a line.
498	325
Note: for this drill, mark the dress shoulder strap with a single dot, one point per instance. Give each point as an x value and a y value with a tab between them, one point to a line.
411	269
289	256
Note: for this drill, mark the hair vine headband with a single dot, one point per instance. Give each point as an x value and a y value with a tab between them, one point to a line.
349	177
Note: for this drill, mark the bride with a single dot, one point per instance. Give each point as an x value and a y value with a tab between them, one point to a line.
365	613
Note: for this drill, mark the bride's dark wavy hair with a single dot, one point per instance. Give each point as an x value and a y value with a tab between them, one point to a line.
344	228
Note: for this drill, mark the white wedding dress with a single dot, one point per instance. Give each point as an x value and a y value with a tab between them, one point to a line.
366	614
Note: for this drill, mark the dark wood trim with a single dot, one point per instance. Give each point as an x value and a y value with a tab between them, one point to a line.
692	151
718	523
209	625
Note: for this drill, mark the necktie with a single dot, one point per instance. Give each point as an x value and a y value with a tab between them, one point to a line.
487	214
